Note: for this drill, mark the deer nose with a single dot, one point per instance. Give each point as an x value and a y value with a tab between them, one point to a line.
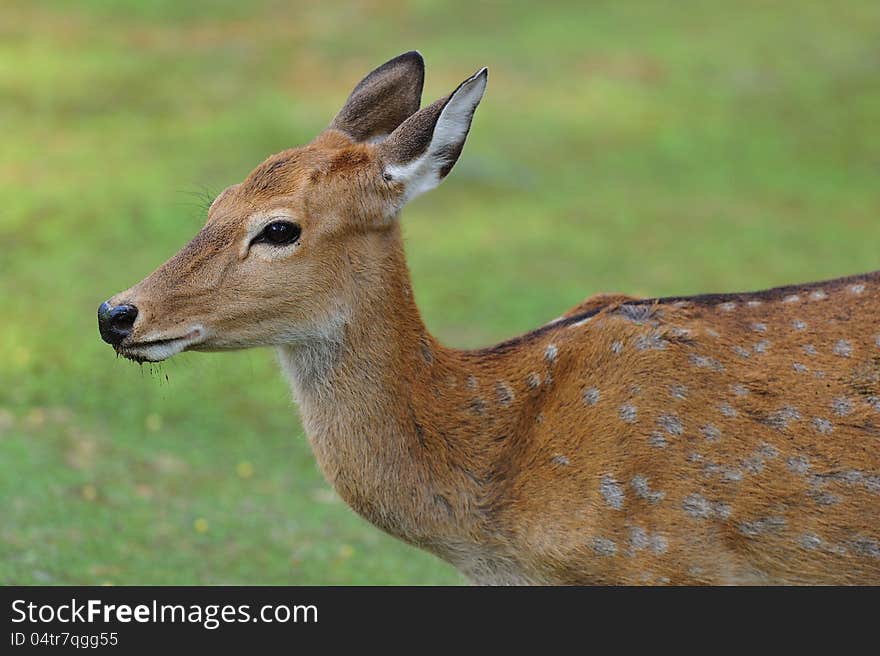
115	323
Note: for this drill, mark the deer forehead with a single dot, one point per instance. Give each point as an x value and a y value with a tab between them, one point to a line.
328	173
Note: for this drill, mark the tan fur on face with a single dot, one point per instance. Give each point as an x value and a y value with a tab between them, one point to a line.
333	190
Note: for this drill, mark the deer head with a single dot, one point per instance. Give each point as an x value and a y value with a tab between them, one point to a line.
284	254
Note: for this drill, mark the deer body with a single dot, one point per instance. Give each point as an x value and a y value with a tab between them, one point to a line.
715	439
741	430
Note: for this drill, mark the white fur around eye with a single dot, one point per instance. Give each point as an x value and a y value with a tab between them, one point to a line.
269	253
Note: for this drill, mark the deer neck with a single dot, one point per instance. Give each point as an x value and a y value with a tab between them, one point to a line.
364	389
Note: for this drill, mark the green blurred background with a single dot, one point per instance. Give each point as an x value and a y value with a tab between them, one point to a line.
643	147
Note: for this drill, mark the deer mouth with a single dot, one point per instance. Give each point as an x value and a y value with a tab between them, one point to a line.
156	350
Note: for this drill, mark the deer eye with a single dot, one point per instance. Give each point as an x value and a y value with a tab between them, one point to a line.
279	233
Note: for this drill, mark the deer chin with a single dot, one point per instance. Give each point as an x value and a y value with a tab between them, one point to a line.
157	348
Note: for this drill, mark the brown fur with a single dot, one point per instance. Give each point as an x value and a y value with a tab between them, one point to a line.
383	99
717	439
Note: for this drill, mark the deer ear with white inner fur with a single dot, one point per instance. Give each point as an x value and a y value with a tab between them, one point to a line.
422	151
383	99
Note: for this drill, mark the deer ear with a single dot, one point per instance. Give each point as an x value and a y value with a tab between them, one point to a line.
422	151
384	99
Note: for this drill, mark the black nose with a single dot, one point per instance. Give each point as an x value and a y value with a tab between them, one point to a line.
115	323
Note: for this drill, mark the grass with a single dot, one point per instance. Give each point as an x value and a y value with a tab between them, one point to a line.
650	148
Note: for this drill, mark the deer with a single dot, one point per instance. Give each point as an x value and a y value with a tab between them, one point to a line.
717	439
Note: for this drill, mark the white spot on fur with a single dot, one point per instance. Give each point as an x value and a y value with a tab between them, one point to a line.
729	306
753	304
810	541
798	464
772	524
591	396
856	289
643	489
533	381
604	546
477	406
651	341
843	348
727	410
559	459
818	295
740	390
640	539
762	346
742	352
809	349
800	368
611	491
710	432
759	327
504	394
780	419
799	325
550	353
841	406
636	313
698	506
616	347
733	475
705	362
768	450
678	391
822	425
728	474
793	298
670	423
824	498
628	413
